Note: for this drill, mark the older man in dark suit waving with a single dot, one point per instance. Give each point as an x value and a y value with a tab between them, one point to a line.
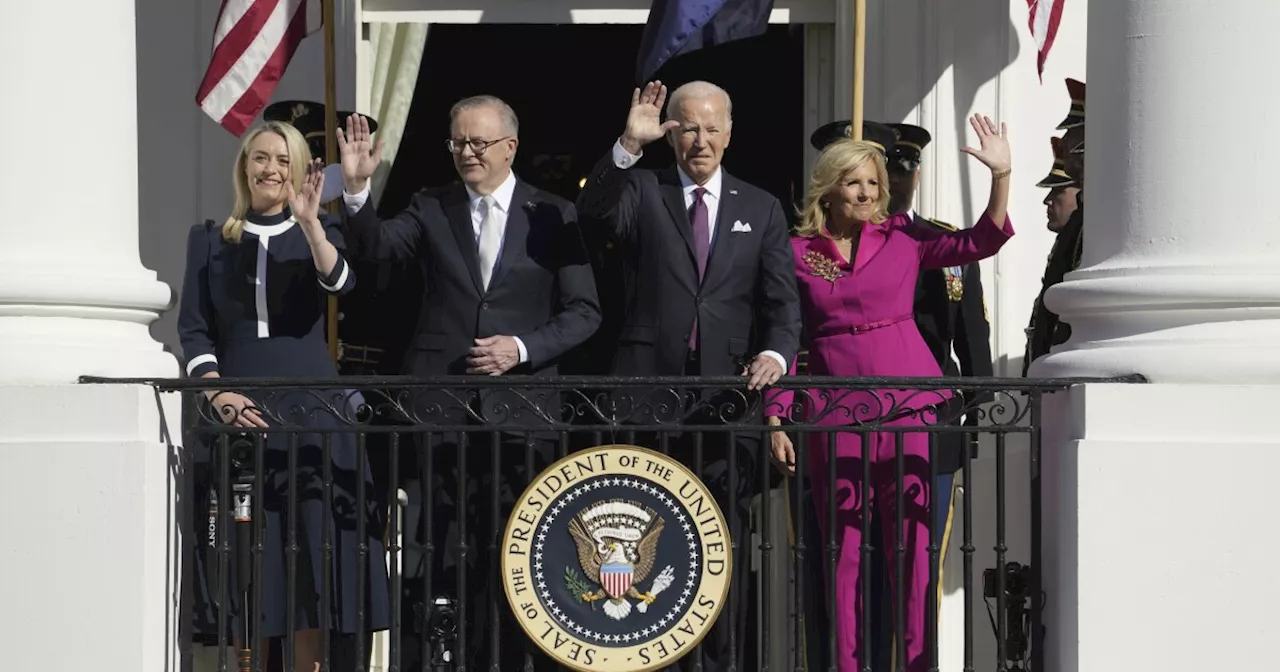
710	287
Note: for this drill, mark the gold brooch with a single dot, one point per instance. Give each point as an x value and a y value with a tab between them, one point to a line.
822	266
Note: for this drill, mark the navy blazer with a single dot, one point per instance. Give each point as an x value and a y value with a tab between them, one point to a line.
542	289
747	302
257	307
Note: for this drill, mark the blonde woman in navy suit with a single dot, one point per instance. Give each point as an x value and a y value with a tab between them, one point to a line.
253	302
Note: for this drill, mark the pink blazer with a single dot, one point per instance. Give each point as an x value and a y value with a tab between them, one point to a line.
858	318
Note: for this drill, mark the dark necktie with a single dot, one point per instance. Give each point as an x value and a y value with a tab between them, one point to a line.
700	219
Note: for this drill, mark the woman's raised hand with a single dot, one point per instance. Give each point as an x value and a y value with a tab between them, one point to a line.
305	204
993	149
360	156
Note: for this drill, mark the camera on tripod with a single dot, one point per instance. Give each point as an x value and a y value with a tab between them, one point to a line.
1017	615
241	458
440	623
1016	582
241	454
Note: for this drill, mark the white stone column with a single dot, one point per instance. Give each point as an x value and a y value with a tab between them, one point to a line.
1179	279
74	296
1158	514
89	575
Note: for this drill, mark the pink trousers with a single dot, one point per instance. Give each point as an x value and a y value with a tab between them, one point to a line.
881	493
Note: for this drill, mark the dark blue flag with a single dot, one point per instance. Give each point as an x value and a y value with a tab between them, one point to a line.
678	27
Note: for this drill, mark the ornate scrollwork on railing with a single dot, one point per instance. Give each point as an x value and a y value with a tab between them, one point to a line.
577	403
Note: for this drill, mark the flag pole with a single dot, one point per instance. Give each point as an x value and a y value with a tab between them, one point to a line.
330	147
859	62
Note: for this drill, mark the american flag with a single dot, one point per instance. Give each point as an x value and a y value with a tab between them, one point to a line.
253	42
1045	17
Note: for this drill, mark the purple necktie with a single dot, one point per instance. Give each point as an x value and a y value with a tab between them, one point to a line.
701	246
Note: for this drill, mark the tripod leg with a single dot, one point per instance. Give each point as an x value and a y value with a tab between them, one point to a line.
244	582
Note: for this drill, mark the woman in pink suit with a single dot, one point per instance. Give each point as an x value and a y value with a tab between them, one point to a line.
856	268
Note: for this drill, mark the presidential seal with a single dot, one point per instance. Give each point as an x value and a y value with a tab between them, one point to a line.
616	558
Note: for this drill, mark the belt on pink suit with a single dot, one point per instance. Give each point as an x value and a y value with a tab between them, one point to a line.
861	328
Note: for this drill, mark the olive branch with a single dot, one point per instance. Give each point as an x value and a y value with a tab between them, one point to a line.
577	586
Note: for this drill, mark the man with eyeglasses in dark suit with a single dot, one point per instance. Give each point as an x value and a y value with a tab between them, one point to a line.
509	290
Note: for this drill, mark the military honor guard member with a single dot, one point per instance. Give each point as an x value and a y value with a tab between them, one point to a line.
1060	203
1046	330
951	313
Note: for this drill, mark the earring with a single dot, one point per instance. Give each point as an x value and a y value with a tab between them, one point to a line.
824	204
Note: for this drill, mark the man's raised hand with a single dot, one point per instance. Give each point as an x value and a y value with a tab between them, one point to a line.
360	156
644	121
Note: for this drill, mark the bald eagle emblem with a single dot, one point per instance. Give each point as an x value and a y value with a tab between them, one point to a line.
617	543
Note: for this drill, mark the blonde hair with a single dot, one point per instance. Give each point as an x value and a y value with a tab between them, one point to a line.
834	163
299	157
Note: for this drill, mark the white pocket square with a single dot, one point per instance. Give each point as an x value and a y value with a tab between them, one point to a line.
739	225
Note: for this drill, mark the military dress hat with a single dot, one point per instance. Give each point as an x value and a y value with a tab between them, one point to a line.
308	118
1058	177
875	133
909	143
1075	117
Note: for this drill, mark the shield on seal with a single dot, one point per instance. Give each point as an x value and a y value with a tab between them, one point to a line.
615	578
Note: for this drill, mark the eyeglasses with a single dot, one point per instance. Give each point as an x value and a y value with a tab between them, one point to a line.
477	146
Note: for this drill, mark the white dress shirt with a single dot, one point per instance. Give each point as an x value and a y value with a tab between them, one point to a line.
624	159
475	205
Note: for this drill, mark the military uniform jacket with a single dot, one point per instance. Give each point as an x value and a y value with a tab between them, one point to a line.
950	309
1046	330
950	312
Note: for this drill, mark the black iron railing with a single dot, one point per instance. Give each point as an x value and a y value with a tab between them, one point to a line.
330	457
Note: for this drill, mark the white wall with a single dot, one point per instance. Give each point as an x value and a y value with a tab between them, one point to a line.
184	158
935	62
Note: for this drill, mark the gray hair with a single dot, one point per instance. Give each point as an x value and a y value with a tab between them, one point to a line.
505	112
698	89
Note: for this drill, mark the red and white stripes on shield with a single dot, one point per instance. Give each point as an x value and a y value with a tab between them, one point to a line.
253	42
616	579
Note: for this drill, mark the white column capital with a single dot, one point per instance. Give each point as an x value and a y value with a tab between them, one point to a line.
1179	280
74	296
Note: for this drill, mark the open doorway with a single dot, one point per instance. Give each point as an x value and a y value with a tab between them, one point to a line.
569	85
